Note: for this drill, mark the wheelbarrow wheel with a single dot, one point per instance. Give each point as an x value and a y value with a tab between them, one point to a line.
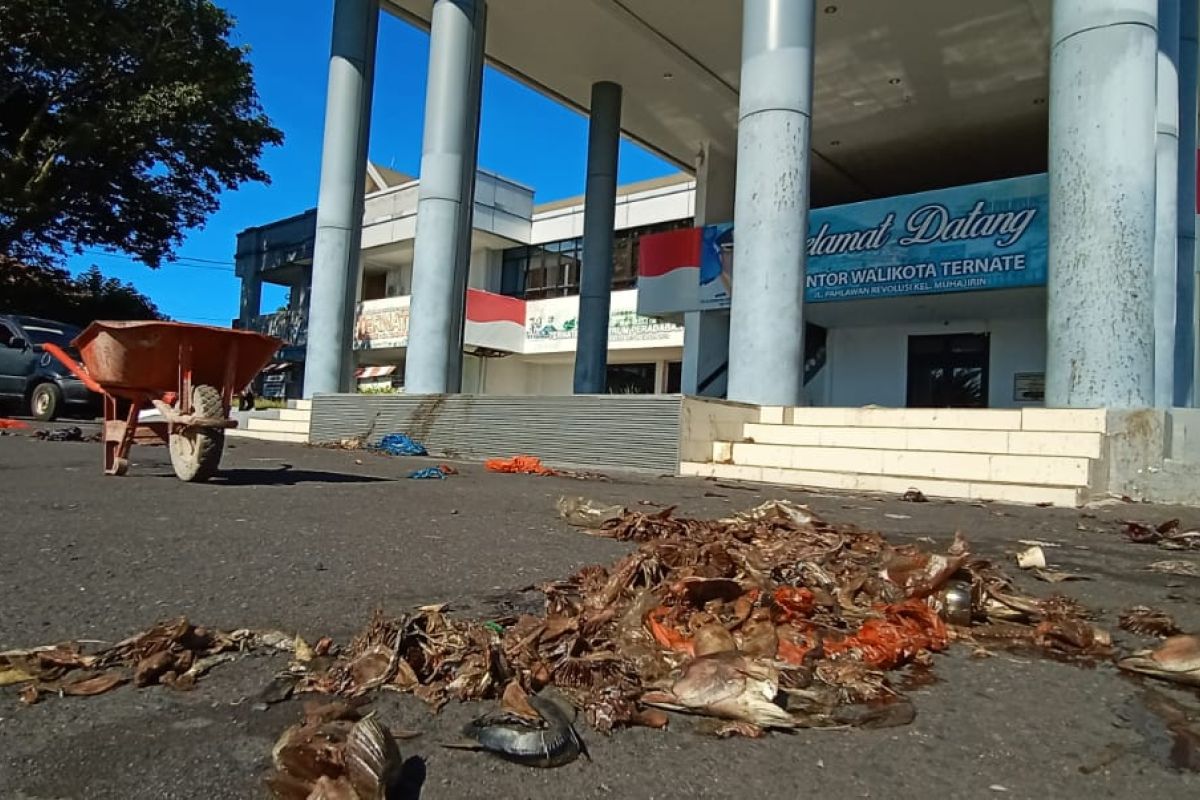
196	452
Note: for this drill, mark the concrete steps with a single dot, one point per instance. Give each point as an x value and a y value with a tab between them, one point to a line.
290	424
1019	455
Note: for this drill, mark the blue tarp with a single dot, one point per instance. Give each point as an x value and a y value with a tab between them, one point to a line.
401	444
429	473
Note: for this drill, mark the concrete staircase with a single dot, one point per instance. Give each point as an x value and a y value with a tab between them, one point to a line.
289	424
1019	455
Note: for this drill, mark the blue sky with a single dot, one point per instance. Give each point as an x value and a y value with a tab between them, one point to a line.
524	136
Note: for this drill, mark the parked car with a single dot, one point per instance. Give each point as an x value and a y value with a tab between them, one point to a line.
35	381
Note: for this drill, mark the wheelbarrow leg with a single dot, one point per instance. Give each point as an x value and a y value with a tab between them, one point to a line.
118	435
227	388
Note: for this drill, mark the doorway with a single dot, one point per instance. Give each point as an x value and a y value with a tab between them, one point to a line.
948	371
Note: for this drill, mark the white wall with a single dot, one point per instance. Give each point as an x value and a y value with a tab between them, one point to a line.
505	376
647	207
869	366
533	376
485	269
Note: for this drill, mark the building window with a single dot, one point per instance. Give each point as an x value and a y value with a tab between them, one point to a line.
374	286
674	378
553	269
631	378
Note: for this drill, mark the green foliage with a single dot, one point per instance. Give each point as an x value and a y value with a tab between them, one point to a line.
52	293
377	390
121	121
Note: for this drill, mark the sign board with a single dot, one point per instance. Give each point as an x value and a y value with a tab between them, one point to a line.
1029	387
623	326
552	325
969	238
381	327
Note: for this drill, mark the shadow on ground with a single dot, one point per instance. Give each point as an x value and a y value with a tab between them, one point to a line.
287	476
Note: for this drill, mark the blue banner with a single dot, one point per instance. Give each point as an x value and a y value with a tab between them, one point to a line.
969	238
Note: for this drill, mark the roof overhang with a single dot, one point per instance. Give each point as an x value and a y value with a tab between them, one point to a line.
907	96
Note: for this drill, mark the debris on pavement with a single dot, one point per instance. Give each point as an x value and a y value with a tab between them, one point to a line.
1187	569
523	465
1057	576
1032	558
1176	660
1149	622
400	444
432	473
914	495
769	619
1166	535
531	730
584	513
174	653
335	753
72	434
12	424
1038	543
349	443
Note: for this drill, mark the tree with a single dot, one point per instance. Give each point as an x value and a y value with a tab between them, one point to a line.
52	293
120	123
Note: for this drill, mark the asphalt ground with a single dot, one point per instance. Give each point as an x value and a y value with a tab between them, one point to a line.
312	540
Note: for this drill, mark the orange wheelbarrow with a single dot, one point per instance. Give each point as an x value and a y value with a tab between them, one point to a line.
188	373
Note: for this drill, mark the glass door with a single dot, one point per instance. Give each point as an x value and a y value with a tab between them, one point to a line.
948	371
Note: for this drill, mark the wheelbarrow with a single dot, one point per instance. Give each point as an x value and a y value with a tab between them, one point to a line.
188	373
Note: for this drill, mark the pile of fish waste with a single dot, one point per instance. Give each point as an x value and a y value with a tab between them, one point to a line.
173	653
771	619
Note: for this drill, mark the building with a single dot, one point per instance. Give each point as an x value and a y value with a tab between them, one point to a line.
522	296
925	205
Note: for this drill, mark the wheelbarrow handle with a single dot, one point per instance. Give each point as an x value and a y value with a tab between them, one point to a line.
76	368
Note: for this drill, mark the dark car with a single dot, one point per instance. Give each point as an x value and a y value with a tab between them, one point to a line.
35	381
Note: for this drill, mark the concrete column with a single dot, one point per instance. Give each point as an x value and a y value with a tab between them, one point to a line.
1100	321
466	220
251	305
1166	242
1185	287
766	348
705	368
446	197
599	215
329	359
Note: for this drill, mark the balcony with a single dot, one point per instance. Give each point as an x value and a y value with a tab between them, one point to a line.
494	323
278	249
290	326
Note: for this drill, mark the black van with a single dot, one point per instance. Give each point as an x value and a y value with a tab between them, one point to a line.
35	381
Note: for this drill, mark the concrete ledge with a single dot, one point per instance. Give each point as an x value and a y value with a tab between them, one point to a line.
944	418
269	436
276	426
1077	420
962	490
1031	443
1030	470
